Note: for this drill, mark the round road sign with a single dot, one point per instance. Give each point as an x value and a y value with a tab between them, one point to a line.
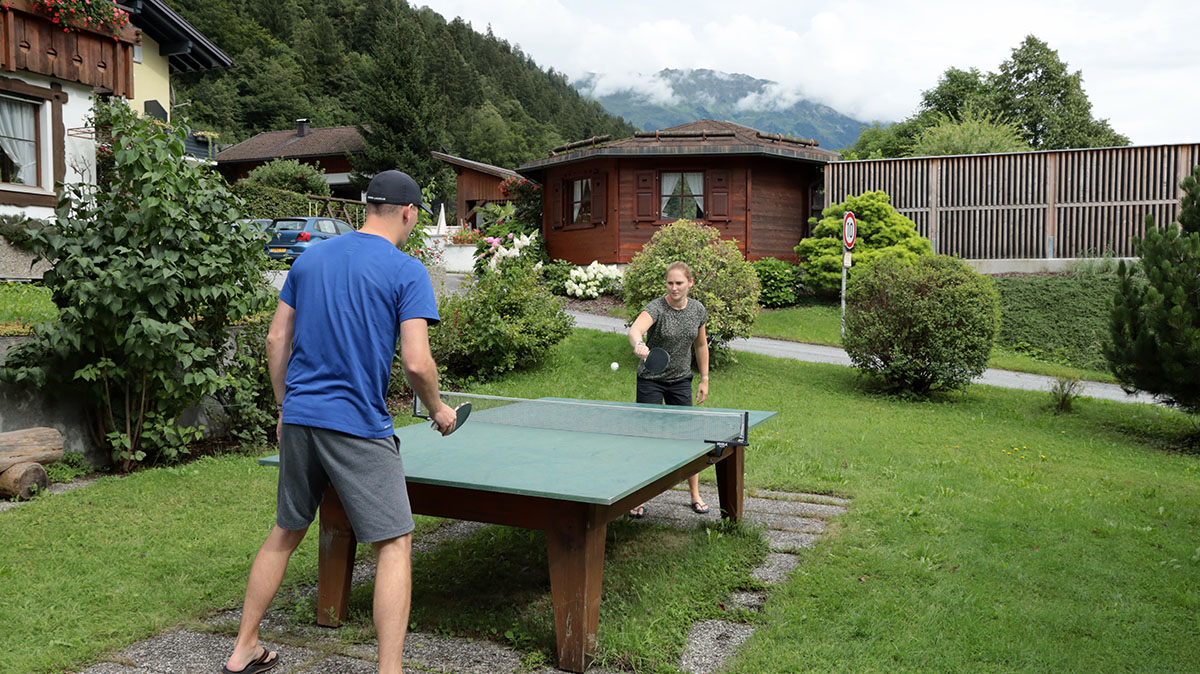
849	229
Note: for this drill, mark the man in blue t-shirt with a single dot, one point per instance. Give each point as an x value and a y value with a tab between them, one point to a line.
345	304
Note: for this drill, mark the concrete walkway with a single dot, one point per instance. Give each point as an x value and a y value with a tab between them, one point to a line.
814	353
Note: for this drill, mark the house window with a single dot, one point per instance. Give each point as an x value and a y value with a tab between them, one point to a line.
20	154
580	212
682	195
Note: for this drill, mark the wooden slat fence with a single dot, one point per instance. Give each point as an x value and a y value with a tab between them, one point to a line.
1052	204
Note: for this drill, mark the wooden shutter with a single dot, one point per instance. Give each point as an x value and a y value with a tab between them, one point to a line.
599	199
718	194
558	211
645	196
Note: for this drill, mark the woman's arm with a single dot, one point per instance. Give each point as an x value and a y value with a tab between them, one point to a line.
637	333
700	346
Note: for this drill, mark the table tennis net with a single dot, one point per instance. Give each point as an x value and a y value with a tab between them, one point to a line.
666	422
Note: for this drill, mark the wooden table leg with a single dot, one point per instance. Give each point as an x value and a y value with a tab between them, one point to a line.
335	561
730	483
575	546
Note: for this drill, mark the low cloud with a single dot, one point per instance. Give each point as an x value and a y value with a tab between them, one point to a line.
651	88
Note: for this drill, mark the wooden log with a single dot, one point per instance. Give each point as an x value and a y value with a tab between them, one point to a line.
23	481
30	445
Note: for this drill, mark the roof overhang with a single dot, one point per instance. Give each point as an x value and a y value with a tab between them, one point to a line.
187	49
785	153
478	166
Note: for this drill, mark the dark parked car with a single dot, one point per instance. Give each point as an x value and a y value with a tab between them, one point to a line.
292	236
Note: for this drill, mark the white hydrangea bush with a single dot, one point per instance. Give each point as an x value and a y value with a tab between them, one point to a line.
594	280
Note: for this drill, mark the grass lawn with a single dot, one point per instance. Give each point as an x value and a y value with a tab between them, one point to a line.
820	323
22	305
985	534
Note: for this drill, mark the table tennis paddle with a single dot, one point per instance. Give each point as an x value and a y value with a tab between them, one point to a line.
462	412
657	360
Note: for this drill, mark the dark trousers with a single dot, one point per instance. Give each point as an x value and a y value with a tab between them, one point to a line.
678	392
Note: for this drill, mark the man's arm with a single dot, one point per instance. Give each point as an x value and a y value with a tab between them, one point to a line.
422	372
279	349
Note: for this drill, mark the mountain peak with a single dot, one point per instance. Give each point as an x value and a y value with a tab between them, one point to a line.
672	97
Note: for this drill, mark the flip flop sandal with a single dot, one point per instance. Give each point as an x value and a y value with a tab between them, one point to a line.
699	508
262	663
638	513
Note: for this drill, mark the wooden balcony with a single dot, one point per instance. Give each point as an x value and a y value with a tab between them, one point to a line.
32	42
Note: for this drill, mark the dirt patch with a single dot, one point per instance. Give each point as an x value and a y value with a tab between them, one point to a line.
605	305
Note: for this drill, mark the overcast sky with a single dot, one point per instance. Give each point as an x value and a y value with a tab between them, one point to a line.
870	59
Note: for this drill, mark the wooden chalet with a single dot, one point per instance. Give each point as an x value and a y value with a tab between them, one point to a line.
605	199
478	185
328	148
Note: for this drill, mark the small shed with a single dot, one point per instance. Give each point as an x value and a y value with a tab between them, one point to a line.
478	185
604	199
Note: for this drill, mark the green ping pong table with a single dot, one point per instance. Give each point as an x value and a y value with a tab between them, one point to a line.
567	467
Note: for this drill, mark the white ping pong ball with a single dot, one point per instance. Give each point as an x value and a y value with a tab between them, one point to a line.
615	365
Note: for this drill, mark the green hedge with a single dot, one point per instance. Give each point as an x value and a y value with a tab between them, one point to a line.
268	202
1062	319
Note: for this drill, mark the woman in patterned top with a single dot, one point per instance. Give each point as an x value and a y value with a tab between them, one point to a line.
674	323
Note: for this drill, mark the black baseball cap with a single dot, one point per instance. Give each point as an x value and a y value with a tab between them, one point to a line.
395	187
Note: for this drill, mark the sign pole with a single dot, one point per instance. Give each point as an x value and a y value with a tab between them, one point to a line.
849	234
845	252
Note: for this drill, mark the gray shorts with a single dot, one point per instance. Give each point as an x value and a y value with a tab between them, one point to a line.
366	472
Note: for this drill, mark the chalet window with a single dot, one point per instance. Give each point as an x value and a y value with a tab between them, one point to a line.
20	151
681	195
580	212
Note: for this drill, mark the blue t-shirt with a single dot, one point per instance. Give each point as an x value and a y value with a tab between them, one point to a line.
350	294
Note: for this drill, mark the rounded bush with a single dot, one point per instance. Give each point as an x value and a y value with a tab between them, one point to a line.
779	281
923	326
725	283
291	175
502	321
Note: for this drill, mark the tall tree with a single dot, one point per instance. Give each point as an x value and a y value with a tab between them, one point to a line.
401	114
1034	90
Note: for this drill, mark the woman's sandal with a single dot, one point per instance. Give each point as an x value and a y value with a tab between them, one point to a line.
699	507
637	513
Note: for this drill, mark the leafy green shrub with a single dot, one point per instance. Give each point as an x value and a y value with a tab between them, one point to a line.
1063	393
501	321
555	276
150	270
779	280
725	283
882	232
922	326
1155	319
261	201
1034	310
291	175
15	228
249	397
71	467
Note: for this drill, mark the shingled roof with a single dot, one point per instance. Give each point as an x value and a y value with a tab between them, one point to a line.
289	144
705	137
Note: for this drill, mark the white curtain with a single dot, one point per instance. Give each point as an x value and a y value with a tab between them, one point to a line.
695	183
581	196
670	181
17	125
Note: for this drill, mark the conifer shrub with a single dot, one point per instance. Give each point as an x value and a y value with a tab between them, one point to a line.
882	232
920	327
724	282
1155	319
779	282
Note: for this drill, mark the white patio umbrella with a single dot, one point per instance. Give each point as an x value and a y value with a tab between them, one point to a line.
441	223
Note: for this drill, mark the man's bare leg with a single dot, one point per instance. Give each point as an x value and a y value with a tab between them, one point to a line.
393	596
266	574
